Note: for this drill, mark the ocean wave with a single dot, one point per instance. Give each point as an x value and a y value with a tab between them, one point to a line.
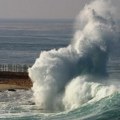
61	78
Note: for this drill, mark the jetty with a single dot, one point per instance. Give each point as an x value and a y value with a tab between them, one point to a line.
14	77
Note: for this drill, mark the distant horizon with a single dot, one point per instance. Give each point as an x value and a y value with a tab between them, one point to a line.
37	20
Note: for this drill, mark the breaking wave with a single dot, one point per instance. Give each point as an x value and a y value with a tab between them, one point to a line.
69	77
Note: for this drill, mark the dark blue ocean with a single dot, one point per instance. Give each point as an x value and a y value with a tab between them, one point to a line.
21	43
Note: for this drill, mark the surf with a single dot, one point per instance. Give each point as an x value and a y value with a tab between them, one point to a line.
70	77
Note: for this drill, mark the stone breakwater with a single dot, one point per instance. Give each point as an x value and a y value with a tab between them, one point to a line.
14	76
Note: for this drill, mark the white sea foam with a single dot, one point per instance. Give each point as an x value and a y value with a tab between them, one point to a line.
79	91
61	77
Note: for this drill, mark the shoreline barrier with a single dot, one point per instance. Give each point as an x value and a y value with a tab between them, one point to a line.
14	67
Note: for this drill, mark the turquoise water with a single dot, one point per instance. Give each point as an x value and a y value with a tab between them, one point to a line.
21	109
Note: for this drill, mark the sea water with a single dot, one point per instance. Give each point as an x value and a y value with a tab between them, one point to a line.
21	41
79	81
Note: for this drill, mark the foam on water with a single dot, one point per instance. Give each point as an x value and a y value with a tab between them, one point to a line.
66	78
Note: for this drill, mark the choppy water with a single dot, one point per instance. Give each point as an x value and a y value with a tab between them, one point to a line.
17	106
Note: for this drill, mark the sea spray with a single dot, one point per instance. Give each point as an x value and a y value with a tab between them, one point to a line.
79	91
50	74
61	77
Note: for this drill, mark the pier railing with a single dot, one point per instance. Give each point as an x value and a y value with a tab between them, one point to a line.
14	67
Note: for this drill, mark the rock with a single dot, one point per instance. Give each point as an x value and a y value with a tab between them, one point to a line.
13	90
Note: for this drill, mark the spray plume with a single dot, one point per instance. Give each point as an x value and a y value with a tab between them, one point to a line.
61	77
